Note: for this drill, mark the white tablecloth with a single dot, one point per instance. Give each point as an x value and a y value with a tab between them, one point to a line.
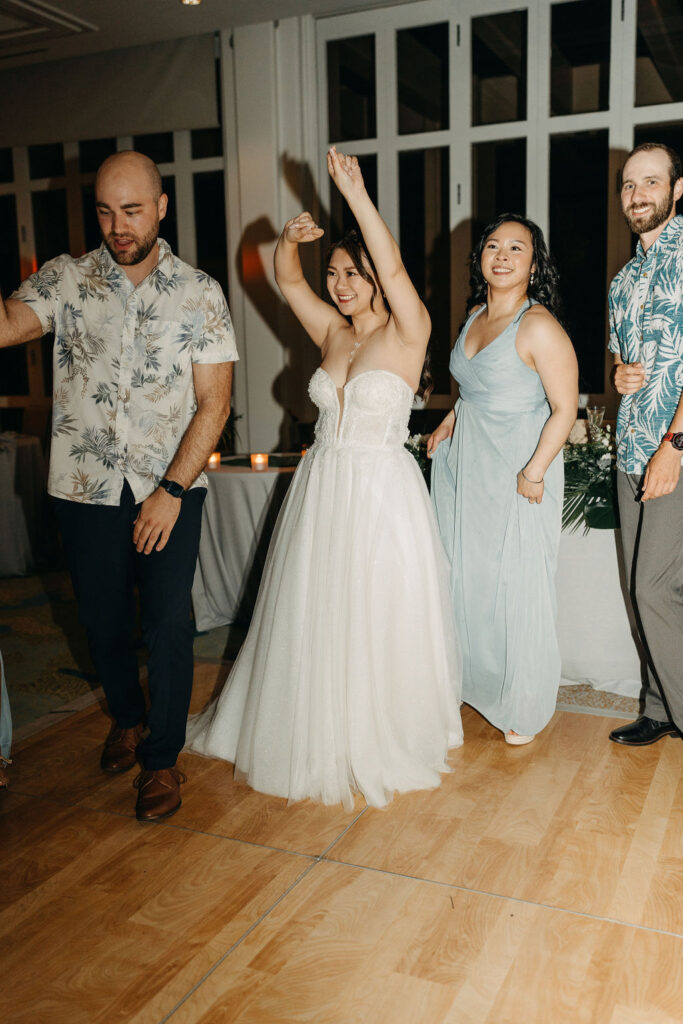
239	515
22	502
595	634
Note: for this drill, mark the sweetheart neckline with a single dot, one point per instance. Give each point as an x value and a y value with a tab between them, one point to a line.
364	373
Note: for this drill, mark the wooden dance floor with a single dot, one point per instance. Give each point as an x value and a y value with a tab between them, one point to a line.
538	885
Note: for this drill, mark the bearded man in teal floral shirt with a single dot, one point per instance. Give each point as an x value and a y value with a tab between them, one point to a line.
646	337
142	366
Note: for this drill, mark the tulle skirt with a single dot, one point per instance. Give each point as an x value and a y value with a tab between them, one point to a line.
349	677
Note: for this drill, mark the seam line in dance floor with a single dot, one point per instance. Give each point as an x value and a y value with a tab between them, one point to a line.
502	896
239	941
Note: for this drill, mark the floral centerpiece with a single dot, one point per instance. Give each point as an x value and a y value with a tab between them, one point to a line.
417	446
590	484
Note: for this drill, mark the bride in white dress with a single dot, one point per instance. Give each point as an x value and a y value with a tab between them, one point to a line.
349	677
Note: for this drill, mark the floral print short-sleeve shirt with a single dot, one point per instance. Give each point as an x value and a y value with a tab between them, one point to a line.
646	325
123	385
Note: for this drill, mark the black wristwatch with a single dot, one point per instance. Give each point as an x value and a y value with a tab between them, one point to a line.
175	489
676	439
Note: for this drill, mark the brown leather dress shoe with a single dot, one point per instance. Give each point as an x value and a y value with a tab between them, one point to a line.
119	750
158	793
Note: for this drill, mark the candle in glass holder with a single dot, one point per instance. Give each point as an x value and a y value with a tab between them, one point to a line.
259	461
214	461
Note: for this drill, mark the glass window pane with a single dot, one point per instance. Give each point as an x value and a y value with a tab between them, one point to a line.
422	70
91	227
50	224
168	229
342	218
425	246
158	147
580	58
498	181
578	242
10	267
351	88
206	142
499	60
669	134
13	363
6	165
209	214
46	161
659	52
93	152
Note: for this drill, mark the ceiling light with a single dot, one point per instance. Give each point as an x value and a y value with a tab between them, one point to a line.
190	3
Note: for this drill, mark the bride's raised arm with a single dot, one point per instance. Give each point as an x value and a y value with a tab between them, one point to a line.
407	309
314	315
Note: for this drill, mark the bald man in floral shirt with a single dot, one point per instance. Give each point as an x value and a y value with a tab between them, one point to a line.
143	358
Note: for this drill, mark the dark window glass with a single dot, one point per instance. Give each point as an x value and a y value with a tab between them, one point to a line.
158	147
578	242
422	69
499	62
46	161
91	226
669	134
351	88
498	181
50	223
209	212
93	152
342	218
9	245
659	52
13	363
580	57
168	228
206	142
6	165
425	246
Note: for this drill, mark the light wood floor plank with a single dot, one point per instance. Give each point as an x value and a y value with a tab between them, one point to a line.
400	951
570	820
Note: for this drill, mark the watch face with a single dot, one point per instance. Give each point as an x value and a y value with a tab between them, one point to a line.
677	441
175	489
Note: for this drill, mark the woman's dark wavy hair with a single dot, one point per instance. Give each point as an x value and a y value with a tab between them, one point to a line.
353	244
544	285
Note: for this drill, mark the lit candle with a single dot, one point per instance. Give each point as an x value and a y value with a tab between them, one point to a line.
214	461
304	450
259	461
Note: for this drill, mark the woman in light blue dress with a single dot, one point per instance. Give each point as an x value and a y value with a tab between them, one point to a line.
497	478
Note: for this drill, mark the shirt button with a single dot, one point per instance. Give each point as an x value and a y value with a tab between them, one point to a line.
642	307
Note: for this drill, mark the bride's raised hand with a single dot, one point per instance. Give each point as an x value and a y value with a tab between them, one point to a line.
345	173
302	229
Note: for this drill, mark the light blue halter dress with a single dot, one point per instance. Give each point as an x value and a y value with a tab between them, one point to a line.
502	550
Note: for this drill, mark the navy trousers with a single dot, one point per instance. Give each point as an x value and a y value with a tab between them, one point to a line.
105	567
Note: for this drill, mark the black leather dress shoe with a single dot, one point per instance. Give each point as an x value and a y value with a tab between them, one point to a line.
642	732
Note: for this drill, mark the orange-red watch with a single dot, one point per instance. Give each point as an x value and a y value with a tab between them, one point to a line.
675	438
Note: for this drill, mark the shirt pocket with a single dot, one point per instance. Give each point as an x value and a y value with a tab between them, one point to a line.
161	360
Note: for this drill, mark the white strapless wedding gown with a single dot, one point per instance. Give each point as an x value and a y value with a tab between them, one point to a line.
349	677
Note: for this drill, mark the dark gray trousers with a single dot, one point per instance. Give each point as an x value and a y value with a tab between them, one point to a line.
652	538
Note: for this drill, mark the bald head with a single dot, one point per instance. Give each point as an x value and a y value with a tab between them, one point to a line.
137	168
130	203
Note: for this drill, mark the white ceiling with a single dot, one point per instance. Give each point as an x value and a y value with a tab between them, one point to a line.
35	30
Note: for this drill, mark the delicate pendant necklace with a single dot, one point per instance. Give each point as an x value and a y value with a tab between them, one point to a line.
356	346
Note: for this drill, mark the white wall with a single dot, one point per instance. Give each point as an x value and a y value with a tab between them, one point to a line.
269	108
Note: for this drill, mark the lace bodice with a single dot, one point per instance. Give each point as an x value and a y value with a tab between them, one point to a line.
374	413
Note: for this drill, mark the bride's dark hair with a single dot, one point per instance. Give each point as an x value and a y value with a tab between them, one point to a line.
352	243
543	283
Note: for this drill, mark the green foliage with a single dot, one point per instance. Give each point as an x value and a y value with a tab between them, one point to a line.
590	486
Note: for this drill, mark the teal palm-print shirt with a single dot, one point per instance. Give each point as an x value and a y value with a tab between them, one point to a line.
646	325
123	385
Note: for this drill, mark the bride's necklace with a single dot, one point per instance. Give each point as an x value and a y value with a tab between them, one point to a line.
356	346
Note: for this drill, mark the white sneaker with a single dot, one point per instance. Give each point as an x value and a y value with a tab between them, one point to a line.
517	741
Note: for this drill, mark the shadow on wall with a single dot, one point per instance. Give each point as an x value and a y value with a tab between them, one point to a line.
290	388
